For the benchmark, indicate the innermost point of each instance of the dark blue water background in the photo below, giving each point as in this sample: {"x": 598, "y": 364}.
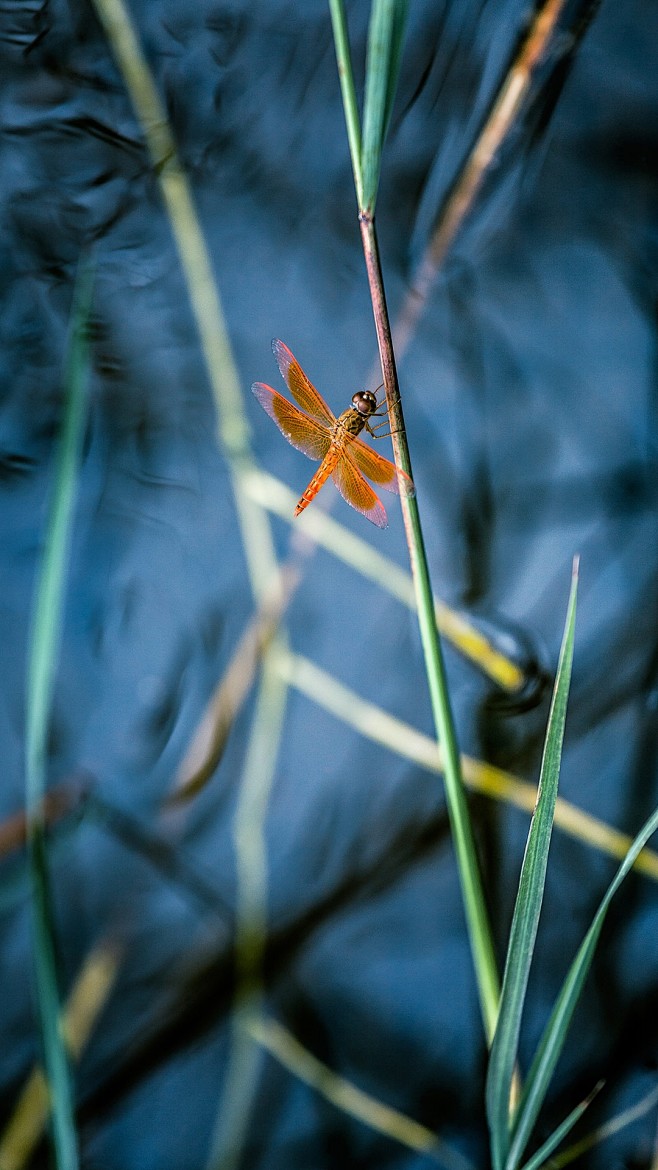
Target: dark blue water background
{"x": 530, "y": 404}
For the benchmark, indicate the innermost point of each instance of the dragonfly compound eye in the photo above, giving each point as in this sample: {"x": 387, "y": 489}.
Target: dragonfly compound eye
{"x": 364, "y": 402}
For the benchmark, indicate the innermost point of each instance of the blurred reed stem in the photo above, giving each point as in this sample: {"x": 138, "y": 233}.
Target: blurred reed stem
{"x": 209, "y": 741}
{"x": 249, "y": 836}
{"x": 253, "y": 520}
{"x": 500, "y": 120}
{"x": 87, "y": 999}
{"x": 43, "y": 653}
{"x": 276, "y": 1039}
{"x": 372, "y": 722}
{"x": 197, "y": 267}
{"x": 602, "y": 1132}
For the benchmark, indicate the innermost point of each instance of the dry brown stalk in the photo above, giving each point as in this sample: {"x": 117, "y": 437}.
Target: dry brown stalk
{"x": 497, "y": 126}
{"x": 209, "y": 740}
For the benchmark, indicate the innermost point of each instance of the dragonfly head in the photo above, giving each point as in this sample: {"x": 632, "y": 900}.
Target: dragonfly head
{"x": 364, "y": 402}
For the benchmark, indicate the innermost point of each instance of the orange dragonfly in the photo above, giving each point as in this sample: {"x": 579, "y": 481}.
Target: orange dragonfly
{"x": 334, "y": 441}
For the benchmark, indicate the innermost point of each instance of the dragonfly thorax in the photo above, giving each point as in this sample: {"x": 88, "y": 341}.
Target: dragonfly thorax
{"x": 364, "y": 402}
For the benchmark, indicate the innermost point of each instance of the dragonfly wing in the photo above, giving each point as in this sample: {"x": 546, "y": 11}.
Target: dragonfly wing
{"x": 302, "y": 432}
{"x": 302, "y": 390}
{"x": 354, "y": 489}
{"x": 380, "y": 470}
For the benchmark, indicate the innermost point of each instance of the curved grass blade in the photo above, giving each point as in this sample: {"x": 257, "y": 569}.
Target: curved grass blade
{"x": 552, "y": 1041}
{"x": 538, "y": 1159}
{"x": 528, "y": 906}
{"x": 602, "y": 1132}
{"x": 43, "y": 652}
{"x": 385, "y": 37}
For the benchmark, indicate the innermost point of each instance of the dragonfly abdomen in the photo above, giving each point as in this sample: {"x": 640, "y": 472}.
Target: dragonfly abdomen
{"x": 348, "y": 424}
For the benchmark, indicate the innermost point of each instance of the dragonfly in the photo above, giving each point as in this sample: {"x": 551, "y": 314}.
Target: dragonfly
{"x": 315, "y": 431}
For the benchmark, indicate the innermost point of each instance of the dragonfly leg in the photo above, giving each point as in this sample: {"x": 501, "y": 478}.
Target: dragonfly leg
{"x": 384, "y": 435}
{"x": 378, "y": 413}
{"x": 383, "y": 414}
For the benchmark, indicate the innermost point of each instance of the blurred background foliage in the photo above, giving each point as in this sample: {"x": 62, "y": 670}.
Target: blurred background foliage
{"x": 260, "y": 935}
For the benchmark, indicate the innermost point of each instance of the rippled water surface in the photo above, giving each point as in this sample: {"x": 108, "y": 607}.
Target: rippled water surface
{"x": 529, "y": 394}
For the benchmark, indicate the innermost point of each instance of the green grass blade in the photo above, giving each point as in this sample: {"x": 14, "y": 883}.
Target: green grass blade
{"x": 348, "y": 92}
{"x": 43, "y": 653}
{"x": 556, "y": 1029}
{"x": 397, "y": 41}
{"x": 539, "y": 1158}
{"x": 385, "y": 36}
{"x": 612, "y": 1126}
{"x": 528, "y": 906}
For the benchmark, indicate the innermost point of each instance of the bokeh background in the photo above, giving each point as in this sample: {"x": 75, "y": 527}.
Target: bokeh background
{"x": 529, "y": 389}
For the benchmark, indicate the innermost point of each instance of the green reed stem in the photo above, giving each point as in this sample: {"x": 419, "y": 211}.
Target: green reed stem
{"x": 472, "y": 892}
{"x": 43, "y": 653}
{"x": 384, "y": 51}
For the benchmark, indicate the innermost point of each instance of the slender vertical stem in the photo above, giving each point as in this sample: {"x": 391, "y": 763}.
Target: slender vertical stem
{"x": 251, "y": 922}
{"x": 472, "y": 892}
{"x": 45, "y": 637}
